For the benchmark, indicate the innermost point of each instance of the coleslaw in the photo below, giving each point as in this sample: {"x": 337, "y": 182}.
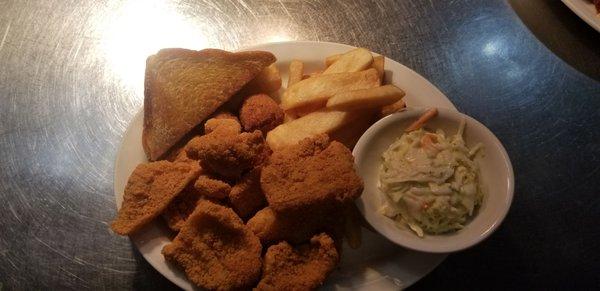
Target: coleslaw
{"x": 431, "y": 181}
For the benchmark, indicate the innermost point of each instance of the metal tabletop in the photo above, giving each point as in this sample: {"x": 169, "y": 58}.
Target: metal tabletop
{"x": 71, "y": 80}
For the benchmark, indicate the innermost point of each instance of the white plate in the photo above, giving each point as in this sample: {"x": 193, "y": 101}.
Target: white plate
{"x": 586, "y": 10}
{"x": 378, "y": 264}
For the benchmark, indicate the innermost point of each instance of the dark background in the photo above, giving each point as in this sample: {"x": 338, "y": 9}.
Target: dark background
{"x": 70, "y": 82}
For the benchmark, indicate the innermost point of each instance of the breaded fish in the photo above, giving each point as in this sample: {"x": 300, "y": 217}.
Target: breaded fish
{"x": 246, "y": 197}
{"x": 315, "y": 173}
{"x": 303, "y": 268}
{"x": 216, "y": 250}
{"x": 260, "y": 112}
{"x": 272, "y": 227}
{"x": 211, "y": 187}
{"x": 226, "y": 153}
{"x": 150, "y": 188}
{"x": 181, "y": 207}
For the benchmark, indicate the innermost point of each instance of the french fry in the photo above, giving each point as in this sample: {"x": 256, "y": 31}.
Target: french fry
{"x": 331, "y": 59}
{"x": 287, "y": 117}
{"x": 365, "y": 98}
{"x": 350, "y": 133}
{"x": 320, "y": 88}
{"x": 352, "y": 61}
{"x": 307, "y": 109}
{"x": 315, "y": 123}
{"x": 352, "y": 223}
{"x": 379, "y": 65}
{"x": 392, "y": 108}
{"x": 296, "y": 71}
{"x": 429, "y": 114}
{"x": 269, "y": 80}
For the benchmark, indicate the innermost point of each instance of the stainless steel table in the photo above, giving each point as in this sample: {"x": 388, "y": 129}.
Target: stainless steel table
{"x": 71, "y": 80}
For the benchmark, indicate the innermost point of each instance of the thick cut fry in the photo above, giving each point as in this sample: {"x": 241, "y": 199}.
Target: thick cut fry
{"x": 318, "y": 122}
{"x": 296, "y": 72}
{"x": 269, "y": 80}
{"x": 366, "y": 98}
{"x": 392, "y": 108}
{"x": 287, "y": 117}
{"x": 350, "y": 133}
{"x": 379, "y": 65}
{"x": 429, "y": 114}
{"x": 307, "y": 109}
{"x": 332, "y": 59}
{"x": 352, "y": 231}
{"x": 322, "y": 87}
{"x": 352, "y": 61}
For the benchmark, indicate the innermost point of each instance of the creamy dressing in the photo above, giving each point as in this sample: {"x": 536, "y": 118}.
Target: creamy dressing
{"x": 431, "y": 181}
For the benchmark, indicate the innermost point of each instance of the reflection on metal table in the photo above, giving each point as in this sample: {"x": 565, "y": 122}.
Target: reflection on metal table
{"x": 71, "y": 80}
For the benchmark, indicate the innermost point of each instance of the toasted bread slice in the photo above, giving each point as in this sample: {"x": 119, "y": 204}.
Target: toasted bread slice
{"x": 183, "y": 87}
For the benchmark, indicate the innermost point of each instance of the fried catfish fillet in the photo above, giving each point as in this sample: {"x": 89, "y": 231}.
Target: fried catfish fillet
{"x": 303, "y": 268}
{"x": 260, "y": 112}
{"x": 150, "y": 189}
{"x": 212, "y": 187}
{"x": 227, "y": 154}
{"x": 272, "y": 227}
{"x": 313, "y": 174}
{"x": 181, "y": 207}
{"x": 246, "y": 197}
{"x": 216, "y": 250}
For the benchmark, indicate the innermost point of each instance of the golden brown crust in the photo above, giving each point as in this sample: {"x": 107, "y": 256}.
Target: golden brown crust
{"x": 216, "y": 250}
{"x": 225, "y": 153}
{"x": 260, "y": 112}
{"x": 212, "y": 187}
{"x": 272, "y": 227}
{"x": 303, "y": 268}
{"x": 150, "y": 189}
{"x": 184, "y": 87}
{"x": 311, "y": 174}
{"x": 246, "y": 197}
{"x": 181, "y": 207}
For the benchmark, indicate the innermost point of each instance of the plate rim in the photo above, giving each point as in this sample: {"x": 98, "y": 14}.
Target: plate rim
{"x": 118, "y": 163}
{"x": 577, "y": 7}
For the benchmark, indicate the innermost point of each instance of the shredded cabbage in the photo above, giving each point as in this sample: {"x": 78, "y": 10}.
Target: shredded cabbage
{"x": 431, "y": 181}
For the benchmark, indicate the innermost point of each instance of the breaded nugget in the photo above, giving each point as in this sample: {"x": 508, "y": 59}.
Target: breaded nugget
{"x": 181, "y": 207}
{"x": 303, "y": 268}
{"x": 211, "y": 187}
{"x": 150, "y": 188}
{"x": 312, "y": 174}
{"x": 225, "y": 124}
{"x": 224, "y": 114}
{"x": 260, "y": 112}
{"x": 272, "y": 227}
{"x": 246, "y": 197}
{"x": 216, "y": 250}
{"x": 225, "y": 153}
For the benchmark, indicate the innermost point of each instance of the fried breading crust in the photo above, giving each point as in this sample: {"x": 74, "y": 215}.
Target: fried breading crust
{"x": 216, "y": 250}
{"x": 304, "y": 268}
{"x": 150, "y": 189}
{"x": 246, "y": 196}
{"x": 272, "y": 227}
{"x": 260, "y": 112}
{"x": 181, "y": 207}
{"x": 315, "y": 173}
{"x": 226, "y": 153}
{"x": 223, "y": 122}
{"x": 211, "y": 187}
